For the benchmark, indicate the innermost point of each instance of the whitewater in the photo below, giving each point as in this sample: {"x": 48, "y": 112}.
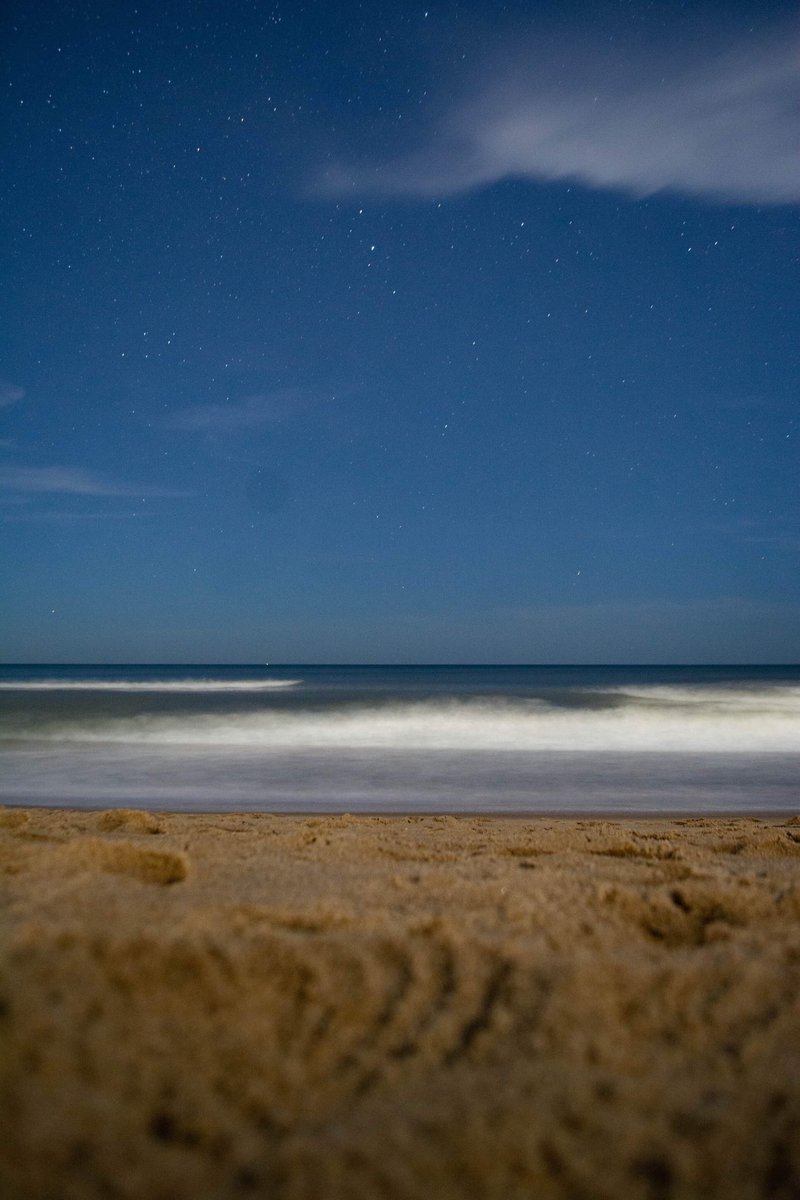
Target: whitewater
{"x": 471, "y": 739}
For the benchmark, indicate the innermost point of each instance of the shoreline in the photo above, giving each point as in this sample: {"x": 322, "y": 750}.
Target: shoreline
{"x": 513, "y": 814}
{"x": 399, "y": 1006}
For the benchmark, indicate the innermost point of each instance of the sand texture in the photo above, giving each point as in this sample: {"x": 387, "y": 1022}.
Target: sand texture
{"x": 353, "y": 1008}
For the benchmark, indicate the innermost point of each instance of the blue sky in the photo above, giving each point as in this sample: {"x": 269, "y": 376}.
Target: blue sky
{"x": 394, "y": 333}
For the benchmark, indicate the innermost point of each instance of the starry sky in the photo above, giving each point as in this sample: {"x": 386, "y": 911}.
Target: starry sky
{"x": 378, "y": 332}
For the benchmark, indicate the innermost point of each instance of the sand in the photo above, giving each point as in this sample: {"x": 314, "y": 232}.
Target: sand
{"x": 338, "y": 1008}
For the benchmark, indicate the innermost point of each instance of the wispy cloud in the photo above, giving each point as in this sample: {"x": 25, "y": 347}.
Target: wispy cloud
{"x": 72, "y": 481}
{"x": 10, "y": 393}
{"x": 253, "y": 412}
{"x": 721, "y": 122}
{"x": 57, "y": 517}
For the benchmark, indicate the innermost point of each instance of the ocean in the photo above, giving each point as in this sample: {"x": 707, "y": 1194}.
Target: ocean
{"x": 508, "y": 739}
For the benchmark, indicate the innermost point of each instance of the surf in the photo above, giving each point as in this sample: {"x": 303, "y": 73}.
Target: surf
{"x": 649, "y": 721}
{"x": 149, "y": 685}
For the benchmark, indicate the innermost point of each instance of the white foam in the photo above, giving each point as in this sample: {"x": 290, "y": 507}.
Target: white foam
{"x": 756, "y": 699}
{"x": 768, "y": 722}
{"x": 150, "y": 685}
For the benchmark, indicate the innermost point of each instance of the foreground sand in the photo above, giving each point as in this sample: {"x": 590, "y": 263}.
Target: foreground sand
{"x": 338, "y": 1008}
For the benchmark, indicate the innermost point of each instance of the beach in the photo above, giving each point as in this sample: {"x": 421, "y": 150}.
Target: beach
{"x": 398, "y": 1006}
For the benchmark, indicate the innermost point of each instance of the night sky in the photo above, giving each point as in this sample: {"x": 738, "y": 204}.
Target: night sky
{"x": 390, "y": 333}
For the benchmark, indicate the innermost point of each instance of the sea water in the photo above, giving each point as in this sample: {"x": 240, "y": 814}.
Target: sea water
{"x": 385, "y": 739}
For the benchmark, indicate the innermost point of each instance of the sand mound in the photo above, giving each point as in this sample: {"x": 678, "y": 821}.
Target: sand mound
{"x": 419, "y": 1007}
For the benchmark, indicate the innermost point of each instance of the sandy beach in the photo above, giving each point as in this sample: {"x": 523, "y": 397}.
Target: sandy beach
{"x": 348, "y": 1007}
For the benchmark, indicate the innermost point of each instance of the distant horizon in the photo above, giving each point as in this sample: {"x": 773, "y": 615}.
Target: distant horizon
{"x": 408, "y": 665}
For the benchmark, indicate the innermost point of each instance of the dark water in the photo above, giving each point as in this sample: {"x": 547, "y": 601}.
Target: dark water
{"x": 500, "y": 739}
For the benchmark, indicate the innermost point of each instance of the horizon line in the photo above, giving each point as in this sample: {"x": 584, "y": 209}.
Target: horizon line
{"x": 395, "y": 665}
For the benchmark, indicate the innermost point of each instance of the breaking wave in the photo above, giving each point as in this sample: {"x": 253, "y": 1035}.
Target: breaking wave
{"x": 636, "y": 720}
{"x": 146, "y": 685}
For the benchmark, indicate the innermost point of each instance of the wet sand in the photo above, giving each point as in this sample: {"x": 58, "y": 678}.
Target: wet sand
{"x": 338, "y": 1008}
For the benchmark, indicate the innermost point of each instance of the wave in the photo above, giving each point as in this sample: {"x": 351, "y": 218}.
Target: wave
{"x": 764, "y": 720}
{"x": 756, "y": 699}
{"x": 146, "y": 685}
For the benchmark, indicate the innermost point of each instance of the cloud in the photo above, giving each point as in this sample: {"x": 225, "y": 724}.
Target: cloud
{"x": 10, "y": 393}
{"x": 720, "y": 122}
{"x": 254, "y": 412}
{"x": 72, "y": 481}
{"x": 55, "y": 516}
